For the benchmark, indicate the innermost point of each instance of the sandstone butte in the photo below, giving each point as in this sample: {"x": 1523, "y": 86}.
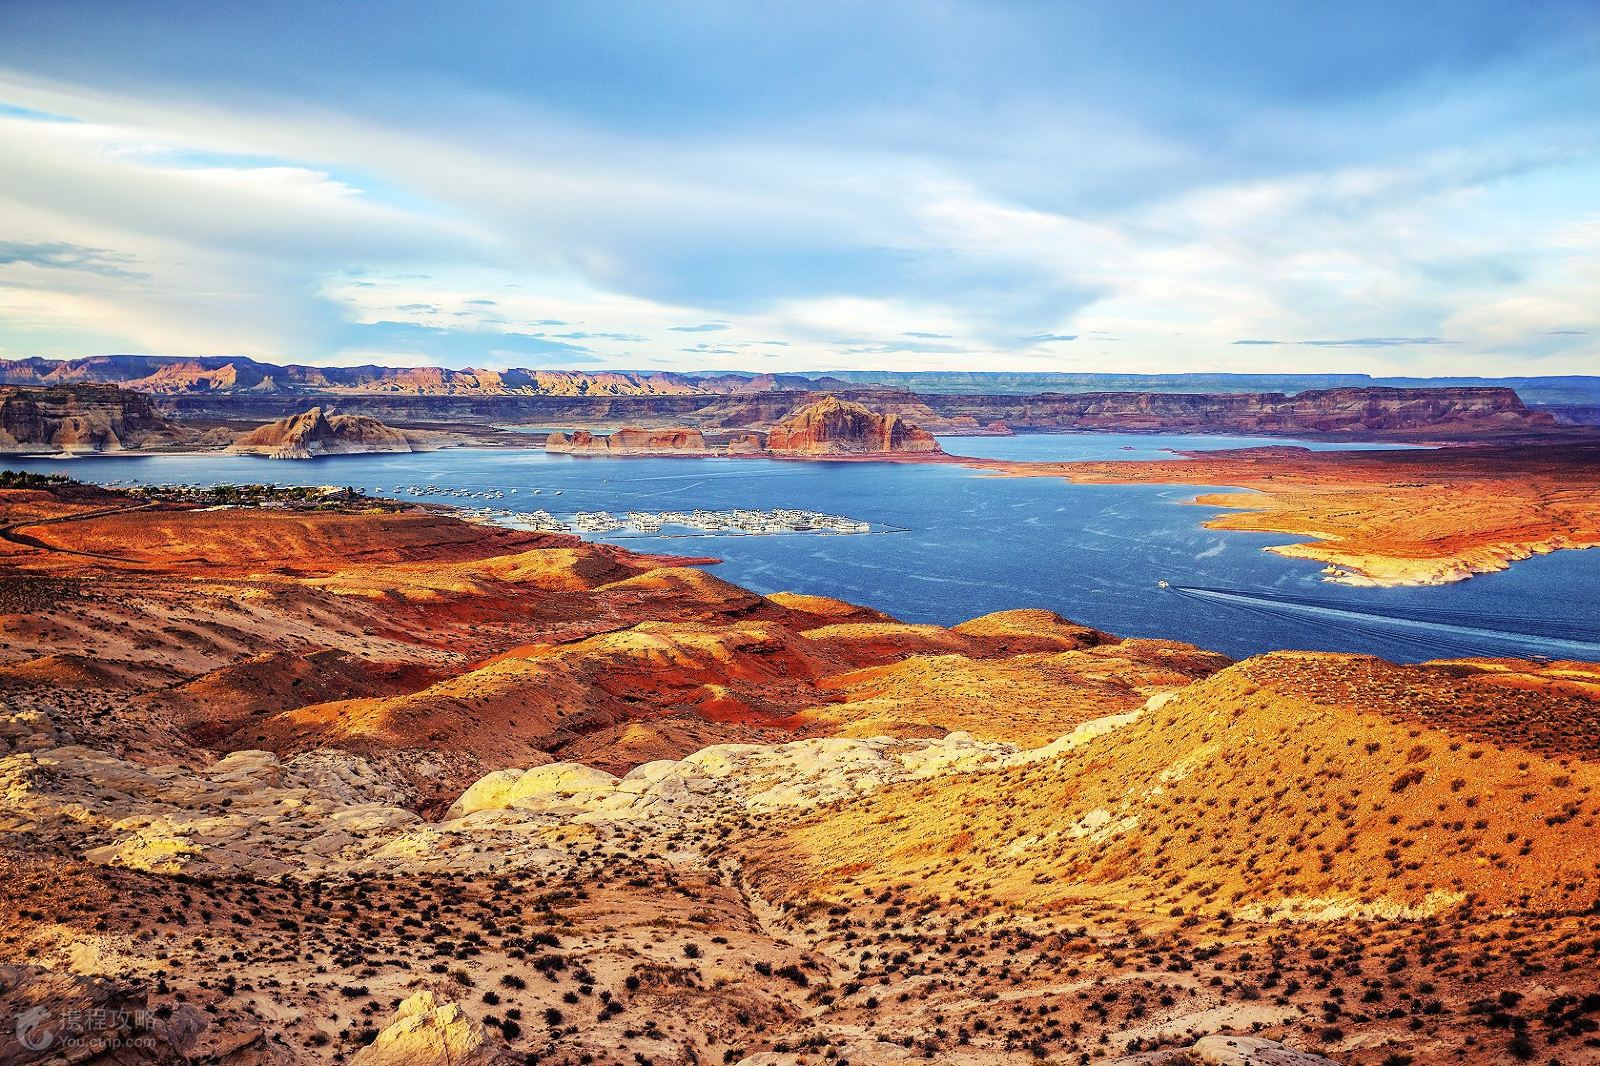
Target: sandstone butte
{"x": 282, "y": 786}
{"x": 832, "y": 426}
{"x": 826, "y": 428}
{"x": 320, "y": 432}
{"x": 1412, "y": 517}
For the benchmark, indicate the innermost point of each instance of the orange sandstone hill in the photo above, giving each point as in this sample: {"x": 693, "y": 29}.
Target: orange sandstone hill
{"x": 1292, "y": 786}
{"x": 490, "y": 648}
{"x": 1379, "y": 863}
{"x": 320, "y": 432}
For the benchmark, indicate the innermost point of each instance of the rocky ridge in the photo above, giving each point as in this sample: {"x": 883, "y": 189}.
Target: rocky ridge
{"x": 329, "y": 812}
{"x": 217, "y": 375}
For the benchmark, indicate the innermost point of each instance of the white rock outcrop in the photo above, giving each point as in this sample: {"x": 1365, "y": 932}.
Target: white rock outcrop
{"x": 329, "y": 812}
{"x": 426, "y": 1032}
{"x": 759, "y": 778}
{"x": 1227, "y": 1050}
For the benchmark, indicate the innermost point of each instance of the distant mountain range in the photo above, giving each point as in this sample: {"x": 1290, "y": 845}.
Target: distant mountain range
{"x": 235, "y": 375}
{"x": 79, "y": 414}
{"x": 169, "y": 375}
{"x": 1566, "y": 389}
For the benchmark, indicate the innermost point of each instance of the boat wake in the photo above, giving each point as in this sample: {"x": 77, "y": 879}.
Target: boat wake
{"x": 1439, "y": 630}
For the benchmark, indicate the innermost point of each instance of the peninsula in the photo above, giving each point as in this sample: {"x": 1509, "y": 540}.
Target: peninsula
{"x": 1424, "y": 516}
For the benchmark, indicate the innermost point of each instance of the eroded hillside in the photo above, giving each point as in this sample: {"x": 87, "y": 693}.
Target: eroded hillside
{"x": 352, "y": 783}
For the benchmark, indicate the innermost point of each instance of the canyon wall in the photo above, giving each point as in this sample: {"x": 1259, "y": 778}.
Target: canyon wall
{"x": 1377, "y": 413}
{"x": 164, "y": 375}
{"x": 232, "y": 388}
{"x": 90, "y": 418}
{"x": 238, "y": 375}
{"x": 1352, "y": 410}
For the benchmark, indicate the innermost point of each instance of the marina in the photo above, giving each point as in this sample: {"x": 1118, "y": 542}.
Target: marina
{"x": 699, "y": 522}
{"x": 456, "y": 493}
{"x": 738, "y": 522}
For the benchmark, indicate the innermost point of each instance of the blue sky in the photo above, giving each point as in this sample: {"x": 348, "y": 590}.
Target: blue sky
{"x": 1129, "y": 186}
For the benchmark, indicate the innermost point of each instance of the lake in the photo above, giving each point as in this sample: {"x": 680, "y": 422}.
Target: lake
{"x": 973, "y": 543}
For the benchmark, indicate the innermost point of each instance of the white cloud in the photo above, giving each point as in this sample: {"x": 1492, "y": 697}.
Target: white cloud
{"x": 270, "y": 232}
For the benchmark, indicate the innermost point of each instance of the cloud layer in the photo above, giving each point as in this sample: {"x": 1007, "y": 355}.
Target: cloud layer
{"x": 945, "y": 184}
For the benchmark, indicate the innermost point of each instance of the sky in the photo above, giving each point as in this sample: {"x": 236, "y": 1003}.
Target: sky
{"x": 1118, "y": 185}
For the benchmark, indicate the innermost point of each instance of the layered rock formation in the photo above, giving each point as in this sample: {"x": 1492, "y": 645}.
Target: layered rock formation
{"x": 319, "y": 432}
{"x": 1445, "y": 414}
{"x": 83, "y": 418}
{"x": 630, "y": 441}
{"x": 832, "y": 426}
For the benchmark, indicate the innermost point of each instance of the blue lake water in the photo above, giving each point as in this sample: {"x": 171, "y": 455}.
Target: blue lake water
{"x": 974, "y": 544}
